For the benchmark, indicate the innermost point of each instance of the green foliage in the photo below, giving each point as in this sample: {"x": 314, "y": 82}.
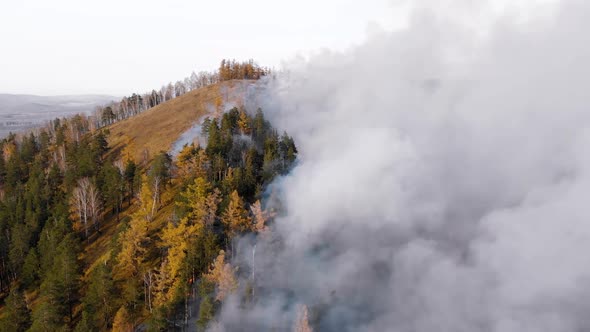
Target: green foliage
{"x": 160, "y": 167}
{"x": 206, "y": 312}
{"x": 85, "y": 324}
{"x": 214, "y": 188}
{"x": 61, "y": 285}
{"x": 130, "y": 175}
{"x": 112, "y": 187}
{"x": 18, "y": 315}
{"x": 31, "y": 268}
{"x": 98, "y": 302}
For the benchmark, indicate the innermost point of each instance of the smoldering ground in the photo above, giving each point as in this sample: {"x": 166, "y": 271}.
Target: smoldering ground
{"x": 442, "y": 181}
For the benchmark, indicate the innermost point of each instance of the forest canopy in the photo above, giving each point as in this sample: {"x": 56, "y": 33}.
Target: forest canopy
{"x": 93, "y": 240}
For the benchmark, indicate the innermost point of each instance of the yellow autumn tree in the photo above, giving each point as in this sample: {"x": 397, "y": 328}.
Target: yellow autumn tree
{"x": 176, "y": 239}
{"x": 195, "y": 197}
{"x": 244, "y": 123}
{"x": 222, "y": 274}
{"x": 235, "y": 217}
{"x": 121, "y": 321}
{"x": 147, "y": 201}
{"x": 260, "y": 217}
{"x": 201, "y": 202}
{"x": 192, "y": 161}
{"x": 134, "y": 240}
{"x": 185, "y": 160}
{"x": 133, "y": 247}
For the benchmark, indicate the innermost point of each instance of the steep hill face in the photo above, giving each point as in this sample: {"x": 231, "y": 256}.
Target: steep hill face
{"x": 158, "y": 128}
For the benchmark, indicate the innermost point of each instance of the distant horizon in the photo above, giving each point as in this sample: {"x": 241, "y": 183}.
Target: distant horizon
{"x": 57, "y": 96}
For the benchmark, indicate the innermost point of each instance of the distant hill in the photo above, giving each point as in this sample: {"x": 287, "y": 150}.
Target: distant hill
{"x": 18, "y": 112}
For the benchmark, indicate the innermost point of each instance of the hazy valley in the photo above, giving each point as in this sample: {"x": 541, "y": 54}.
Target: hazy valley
{"x": 19, "y": 112}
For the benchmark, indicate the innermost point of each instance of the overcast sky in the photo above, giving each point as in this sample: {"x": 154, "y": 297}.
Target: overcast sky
{"x": 118, "y": 47}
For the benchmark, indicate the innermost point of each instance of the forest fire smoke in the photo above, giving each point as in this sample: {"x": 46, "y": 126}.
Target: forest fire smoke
{"x": 441, "y": 186}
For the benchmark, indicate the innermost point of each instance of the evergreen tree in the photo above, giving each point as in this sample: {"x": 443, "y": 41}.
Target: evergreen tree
{"x": 98, "y": 302}
{"x": 18, "y": 315}
{"x": 206, "y": 312}
{"x": 61, "y": 285}
{"x": 129, "y": 175}
{"x": 31, "y": 268}
{"x": 85, "y": 324}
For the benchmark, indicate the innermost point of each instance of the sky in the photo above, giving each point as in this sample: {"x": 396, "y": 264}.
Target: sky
{"x": 118, "y": 47}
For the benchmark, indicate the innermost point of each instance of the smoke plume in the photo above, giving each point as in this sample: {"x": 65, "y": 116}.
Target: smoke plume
{"x": 442, "y": 181}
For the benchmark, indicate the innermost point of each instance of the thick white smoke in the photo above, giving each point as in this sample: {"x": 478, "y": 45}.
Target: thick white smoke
{"x": 443, "y": 182}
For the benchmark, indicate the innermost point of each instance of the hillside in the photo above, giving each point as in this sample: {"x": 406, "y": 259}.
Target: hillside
{"x": 171, "y": 119}
{"x": 106, "y": 236}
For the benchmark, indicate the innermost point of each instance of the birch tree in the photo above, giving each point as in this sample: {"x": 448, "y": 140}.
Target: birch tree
{"x": 86, "y": 205}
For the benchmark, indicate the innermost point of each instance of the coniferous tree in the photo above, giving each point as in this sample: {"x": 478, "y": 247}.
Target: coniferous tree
{"x": 31, "y": 268}
{"x": 18, "y": 315}
{"x": 98, "y": 302}
{"x": 129, "y": 175}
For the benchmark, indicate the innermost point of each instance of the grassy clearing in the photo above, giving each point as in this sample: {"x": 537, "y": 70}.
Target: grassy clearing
{"x": 158, "y": 128}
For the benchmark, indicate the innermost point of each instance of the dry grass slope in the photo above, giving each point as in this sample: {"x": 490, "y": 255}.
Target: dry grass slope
{"x": 159, "y": 127}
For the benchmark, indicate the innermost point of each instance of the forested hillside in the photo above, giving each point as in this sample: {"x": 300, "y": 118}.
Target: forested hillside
{"x": 93, "y": 239}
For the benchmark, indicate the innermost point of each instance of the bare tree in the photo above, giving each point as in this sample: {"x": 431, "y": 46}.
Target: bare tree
{"x": 85, "y": 203}
{"x": 79, "y": 203}
{"x": 95, "y": 206}
{"x": 148, "y": 282}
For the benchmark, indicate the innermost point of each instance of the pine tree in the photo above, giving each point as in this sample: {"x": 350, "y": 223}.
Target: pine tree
{"x": 85, "y": 324}
{"x": 61, "y": 285}
{"x": 18, "y": 315}
{"x": 129, "y": 176}
{"x": 206, "y": 312}
{"x": 31, "y": 268}
{"x": 98, "y": 302}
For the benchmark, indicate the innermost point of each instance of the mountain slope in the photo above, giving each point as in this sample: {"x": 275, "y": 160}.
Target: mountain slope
{"x": 172, "y": 118}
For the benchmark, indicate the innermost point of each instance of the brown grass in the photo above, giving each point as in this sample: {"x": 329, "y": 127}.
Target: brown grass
{"x": 159, "y": 127}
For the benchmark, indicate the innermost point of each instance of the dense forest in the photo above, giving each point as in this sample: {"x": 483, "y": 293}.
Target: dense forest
{"x": 175, "y": 224}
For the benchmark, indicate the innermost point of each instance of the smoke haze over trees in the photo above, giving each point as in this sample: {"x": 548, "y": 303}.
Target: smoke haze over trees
{"x": 432, "y": 178}
{"x": 442, "y": 180}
